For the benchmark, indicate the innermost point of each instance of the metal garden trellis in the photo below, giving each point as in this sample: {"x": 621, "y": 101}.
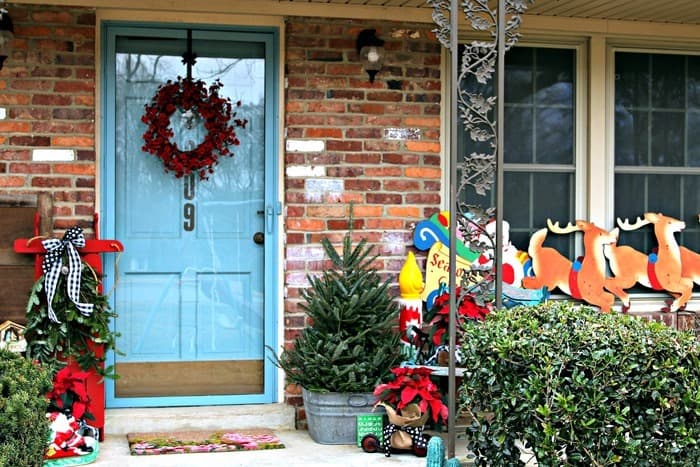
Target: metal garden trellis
{"x": 480, "y": 59}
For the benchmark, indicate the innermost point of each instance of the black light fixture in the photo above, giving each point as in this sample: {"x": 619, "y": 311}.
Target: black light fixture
{"x": 7, "y": 35}
{"x": 371, "y": 51}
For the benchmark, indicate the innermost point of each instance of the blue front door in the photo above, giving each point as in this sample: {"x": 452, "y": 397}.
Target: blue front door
{"x": 199, "y": 254}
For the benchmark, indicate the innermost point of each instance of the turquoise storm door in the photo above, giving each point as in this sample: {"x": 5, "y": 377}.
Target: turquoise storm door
{"x": 199, "y": 253}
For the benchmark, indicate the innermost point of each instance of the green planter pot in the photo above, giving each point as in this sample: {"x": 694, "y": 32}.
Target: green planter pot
{"x": 332, "y": 417}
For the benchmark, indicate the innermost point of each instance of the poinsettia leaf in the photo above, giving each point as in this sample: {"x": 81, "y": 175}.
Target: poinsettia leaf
{"x": 407, "y": 395}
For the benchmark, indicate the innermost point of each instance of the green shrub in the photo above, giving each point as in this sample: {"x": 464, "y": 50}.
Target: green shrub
{"x": 24, "y": 429}
{"x": 581, "y": 388}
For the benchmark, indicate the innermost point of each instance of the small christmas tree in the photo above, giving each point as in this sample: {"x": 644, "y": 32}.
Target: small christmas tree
{"x": 350, "y": 345}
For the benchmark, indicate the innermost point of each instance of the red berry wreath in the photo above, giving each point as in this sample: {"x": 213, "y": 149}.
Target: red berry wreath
{"x": 216, "y": 111}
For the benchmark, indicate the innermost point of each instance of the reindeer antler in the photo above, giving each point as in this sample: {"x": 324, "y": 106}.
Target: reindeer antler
{"x": 625, "y": 225}
{"x": 556, "y": 229}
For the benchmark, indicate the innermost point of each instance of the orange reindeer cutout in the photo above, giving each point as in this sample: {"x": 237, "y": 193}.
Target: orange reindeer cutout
{"x": 659, "y": 271}
{"x": 690, "y": 263}
{"x": 583, "y": 280}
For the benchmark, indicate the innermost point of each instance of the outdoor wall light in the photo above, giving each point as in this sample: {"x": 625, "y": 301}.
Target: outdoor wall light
{"x": 7, "y": 35}
{"x": 371, "y": 51}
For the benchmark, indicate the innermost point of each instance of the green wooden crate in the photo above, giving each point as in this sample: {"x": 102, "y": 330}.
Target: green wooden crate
{"x": 369, "y": 424}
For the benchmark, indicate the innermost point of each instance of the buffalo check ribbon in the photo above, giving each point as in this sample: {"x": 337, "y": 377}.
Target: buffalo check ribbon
{"x": 53, "y": 264}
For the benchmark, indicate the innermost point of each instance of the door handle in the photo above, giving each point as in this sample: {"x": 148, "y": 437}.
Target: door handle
{"x": 259, "y": 238}
{"x": 269, "y": 218}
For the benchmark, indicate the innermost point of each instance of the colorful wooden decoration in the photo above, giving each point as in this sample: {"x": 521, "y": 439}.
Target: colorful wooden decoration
{"x": 12, "y": 337}
{"x": 670, "y": 267}
{"x": 433, "y": 235}
{"x": 582, "y": 279}
{"x": 91, "y": 253}
{"x": 410, "y": 304}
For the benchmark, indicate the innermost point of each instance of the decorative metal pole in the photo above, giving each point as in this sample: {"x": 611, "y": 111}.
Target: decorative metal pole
{"x": 454, "y": 193}
{"x": 485, "y": 124}
{"x": 500, "y": 98}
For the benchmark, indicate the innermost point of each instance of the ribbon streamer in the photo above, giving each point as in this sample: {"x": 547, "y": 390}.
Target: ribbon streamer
{"x": 53, "y": 264}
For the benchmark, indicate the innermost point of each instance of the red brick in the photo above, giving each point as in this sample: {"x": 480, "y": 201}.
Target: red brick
{"x": 32, "y": 84}
{"x": 383, "y": 223}
{"x": 423, "y": 146}
{"x": 362, "y": 185}
{"x": 343, "y": 145}
{"x": 423, "y": 172}
{"x": 323, "y": 133}
{"x": 403, "y": 211}
{"x": 326, "y": 107}
{"x": 305, "y": 224}
{"x": 73, "y": 141}
{"x": 30, "y": 168}
{"x": 74, "y": 169}
{"x": 48, "y": 16}
{"x": 14, "y": 99}
{"x": 404, "y": 185}
{"x": 51, "y": 182}
{"x": 364, "y": 133}
{"x": 75, "y": 86}
{"x": 367, "y": 108}
{"x": 383, "y": 171}
{"x": 9, "y": 126}
{"x": 51, "y": 99}
{"x": 9, "y": 181}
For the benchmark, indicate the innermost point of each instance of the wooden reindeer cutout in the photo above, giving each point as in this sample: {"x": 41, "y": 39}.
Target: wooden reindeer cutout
{"x": 690, "y": 263}
{"x": 584, "y": 279}
{"x": 659, "y": 271}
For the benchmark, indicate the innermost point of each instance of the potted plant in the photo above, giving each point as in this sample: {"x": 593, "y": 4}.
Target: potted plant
{"x": 350, "y": 344}
{"x": 412, "y": 386}
{"x": 410, "y": 398}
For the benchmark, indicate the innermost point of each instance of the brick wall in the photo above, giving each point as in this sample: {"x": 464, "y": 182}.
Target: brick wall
{"x": 47, "y": 88}
{"x": 330, "y": 102}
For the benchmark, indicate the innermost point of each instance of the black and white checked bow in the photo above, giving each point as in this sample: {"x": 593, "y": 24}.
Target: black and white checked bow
{"x": 53, "y": 263}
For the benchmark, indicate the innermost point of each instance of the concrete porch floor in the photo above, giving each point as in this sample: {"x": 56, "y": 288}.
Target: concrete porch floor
{"x": 300, "y": 450}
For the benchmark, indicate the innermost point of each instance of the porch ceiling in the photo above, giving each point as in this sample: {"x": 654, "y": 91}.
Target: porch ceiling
{"x": 669, "y": 11}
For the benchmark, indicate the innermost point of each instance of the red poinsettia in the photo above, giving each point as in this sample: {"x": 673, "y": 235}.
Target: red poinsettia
{"x": 70, "y": 393}
{"x": 216, "y": 112}
{"x": 438, "y": 317}
{"x": 413, "y": 385}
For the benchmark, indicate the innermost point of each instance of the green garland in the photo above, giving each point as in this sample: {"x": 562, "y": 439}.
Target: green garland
{"x": 74, "y": 338}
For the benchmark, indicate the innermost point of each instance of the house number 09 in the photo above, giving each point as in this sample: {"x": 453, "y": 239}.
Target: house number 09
{"x": 188, "y": 209}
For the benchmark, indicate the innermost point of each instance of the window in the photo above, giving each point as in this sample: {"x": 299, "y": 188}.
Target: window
{"x": 657, "y": 142}
{"x": 539, "y": 146}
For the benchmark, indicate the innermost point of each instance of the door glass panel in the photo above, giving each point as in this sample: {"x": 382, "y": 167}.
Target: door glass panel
{"x": 190, "y": 291}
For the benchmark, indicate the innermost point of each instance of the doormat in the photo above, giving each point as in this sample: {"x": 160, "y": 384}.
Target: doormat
{"x": 181, "y": 442}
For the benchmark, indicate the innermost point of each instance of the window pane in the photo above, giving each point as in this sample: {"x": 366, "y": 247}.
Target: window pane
{"x": 693, "y": 85}
{"x": 518, "y": 130}
{"x": 519, "y": 75}
{"x": 554, "y": 133}
{"x": 631, "y": 80}
{"x": 554, "y": 79}
{"x": 532, "y": 198}
{"x": 667, "y": 81}
{"x": 631, "y": 137}
{"x": 667, "y": 143}
{"x": 693, "y": 139}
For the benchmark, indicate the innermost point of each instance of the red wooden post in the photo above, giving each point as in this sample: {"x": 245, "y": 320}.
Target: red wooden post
{"x": 91, "y": 254}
